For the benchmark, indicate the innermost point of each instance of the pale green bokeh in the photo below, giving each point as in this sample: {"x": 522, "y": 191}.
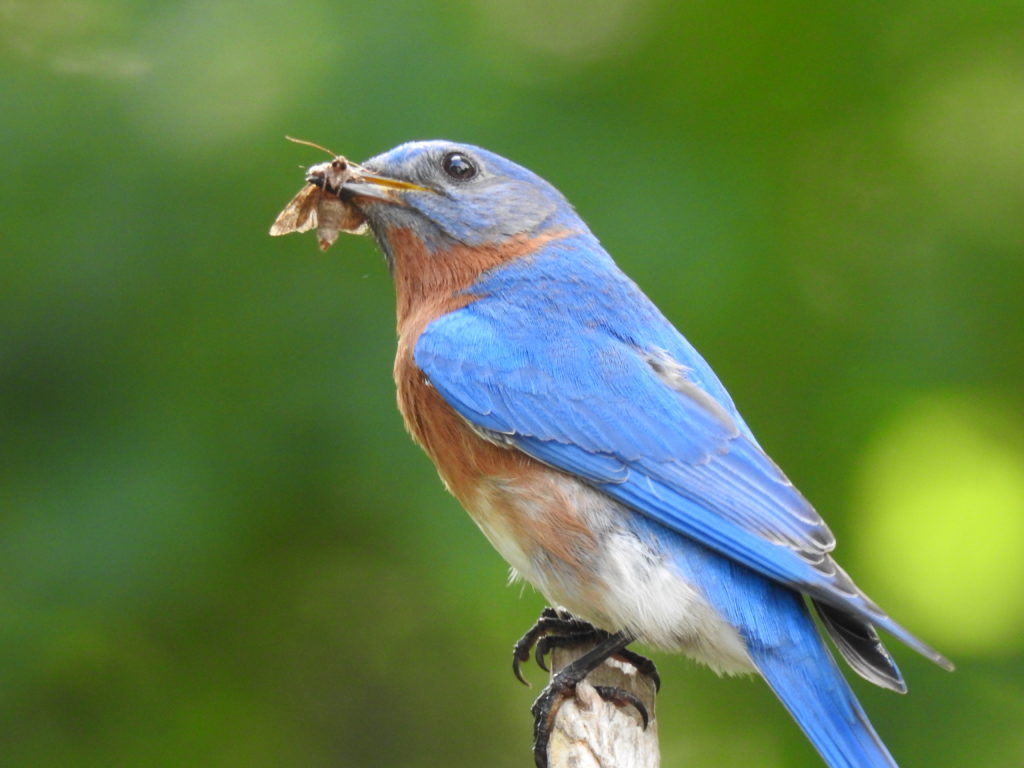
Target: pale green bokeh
{"x": 963, "y": 125}
{"x": 942, "y": 521}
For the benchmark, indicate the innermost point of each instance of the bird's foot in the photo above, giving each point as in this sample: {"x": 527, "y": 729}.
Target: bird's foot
{"x": 563, "y": 685}
{"x": 558, "y": 629}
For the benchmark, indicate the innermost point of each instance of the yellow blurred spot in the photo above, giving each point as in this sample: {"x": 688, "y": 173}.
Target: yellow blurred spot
{"x": 942, "y": 522}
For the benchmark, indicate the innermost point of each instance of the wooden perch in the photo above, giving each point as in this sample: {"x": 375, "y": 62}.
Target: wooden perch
{"x": 590, "y": 732}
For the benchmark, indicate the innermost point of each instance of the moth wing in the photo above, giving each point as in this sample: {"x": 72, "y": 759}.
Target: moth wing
{"x": 300, "y": 213}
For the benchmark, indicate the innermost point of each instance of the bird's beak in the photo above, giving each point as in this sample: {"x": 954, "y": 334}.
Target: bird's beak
{"x": 375, "y": 187}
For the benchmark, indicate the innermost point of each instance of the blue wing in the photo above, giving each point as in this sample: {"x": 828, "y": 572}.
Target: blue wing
{"x": 570, "y": 363}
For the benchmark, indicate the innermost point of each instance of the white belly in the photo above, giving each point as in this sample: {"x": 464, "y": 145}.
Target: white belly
{"x": 604, "y": 572}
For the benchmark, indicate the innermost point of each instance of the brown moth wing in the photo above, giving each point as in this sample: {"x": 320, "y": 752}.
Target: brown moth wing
{"x": 300, "y": 215}
{"x": 354, "y": 222}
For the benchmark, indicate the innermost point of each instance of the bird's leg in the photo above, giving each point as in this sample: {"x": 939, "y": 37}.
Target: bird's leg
{"x": 564, "y": 683}
{"x": 557, "y": 629}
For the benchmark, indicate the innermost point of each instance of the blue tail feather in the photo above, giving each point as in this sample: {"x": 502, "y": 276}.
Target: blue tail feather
{"x": 789, "y": 651}
{"x": 818, "y": 697}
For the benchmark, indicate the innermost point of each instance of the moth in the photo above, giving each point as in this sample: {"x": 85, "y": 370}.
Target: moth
{"x": 318, "y": 204}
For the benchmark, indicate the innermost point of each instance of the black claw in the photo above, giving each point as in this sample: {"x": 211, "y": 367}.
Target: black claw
{"x": 517, "y": 659}
{"x": 542, "y": 649}
{"x": 621, "y": 697}
{"x": 518, "y": 673}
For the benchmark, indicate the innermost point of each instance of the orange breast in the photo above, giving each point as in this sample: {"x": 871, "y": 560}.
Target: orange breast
{"x": 490, "y": 481}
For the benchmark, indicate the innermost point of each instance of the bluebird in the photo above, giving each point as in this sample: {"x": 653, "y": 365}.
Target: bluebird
{"x": 598, "y": 451}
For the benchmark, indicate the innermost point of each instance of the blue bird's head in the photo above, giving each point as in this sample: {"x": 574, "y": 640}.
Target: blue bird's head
{"x": 450, "y": 194}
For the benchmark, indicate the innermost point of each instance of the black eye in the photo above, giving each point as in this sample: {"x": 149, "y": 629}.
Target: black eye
{"x": 458, "y": 166}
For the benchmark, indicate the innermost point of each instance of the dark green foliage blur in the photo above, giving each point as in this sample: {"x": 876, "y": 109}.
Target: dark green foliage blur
{"x": 217, "y": 545}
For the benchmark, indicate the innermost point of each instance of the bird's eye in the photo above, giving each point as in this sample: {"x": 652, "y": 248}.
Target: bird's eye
{"x": 458, "y": 166}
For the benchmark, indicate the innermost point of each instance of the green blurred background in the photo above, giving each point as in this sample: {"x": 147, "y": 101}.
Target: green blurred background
{"x": 217, "y": 545}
